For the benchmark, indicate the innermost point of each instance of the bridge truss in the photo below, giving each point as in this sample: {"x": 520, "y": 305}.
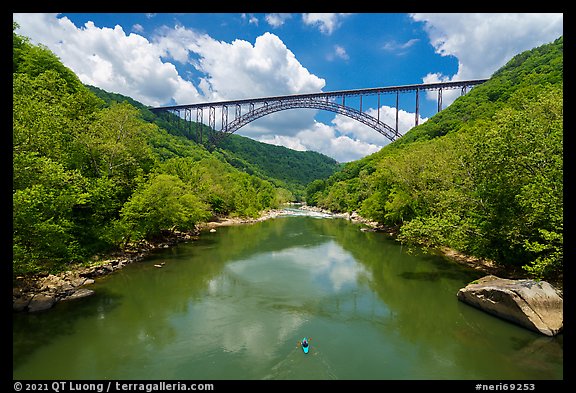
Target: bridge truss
{"x": 235, "y": 114}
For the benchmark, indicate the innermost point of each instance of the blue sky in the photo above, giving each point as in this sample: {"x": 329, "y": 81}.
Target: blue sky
{"x": 184, "y": 58}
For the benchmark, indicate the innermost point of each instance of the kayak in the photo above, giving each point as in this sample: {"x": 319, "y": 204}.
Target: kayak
{"x": 307, "y": 347}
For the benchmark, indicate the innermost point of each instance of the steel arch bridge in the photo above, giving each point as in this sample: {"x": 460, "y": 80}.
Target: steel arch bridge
{"x": 248, "y": 110}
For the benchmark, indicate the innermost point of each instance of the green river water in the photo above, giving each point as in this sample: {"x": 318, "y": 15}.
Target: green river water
{"x": 235, "y": 303}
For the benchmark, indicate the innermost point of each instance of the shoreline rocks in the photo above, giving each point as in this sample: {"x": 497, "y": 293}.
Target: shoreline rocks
{"x": 229, "y": 221}
{"x": 42, "y": 292}
{"x": 535, "y": 305}
{"x": 373, "y": 226}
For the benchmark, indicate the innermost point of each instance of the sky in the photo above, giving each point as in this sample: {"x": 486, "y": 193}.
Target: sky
{"x": 184, "y": 58}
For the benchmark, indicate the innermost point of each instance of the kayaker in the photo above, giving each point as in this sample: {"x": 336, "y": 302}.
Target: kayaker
{"x": 304, "y": 343}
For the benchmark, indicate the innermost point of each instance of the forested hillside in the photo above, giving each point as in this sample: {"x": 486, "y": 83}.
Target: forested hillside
{"x": 285, "y": 168}
{"x": 294, "y": 168}
{"x": 484, "y": 176}
{"x": 91, "y": 176}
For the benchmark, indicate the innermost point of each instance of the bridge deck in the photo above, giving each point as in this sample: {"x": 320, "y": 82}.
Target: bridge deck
{"x": 330, "y": 94}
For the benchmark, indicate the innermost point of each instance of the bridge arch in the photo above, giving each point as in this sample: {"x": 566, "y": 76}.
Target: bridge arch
{"x": 259, "y": 107}
{"x": 276, "y": 106}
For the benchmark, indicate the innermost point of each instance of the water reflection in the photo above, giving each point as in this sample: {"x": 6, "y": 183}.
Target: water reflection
{"x": 234, "y": 304}
{"x": 312, "y": 279}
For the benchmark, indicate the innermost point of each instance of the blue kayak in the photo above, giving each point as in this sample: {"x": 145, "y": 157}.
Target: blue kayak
{"x": 305, "y": 345}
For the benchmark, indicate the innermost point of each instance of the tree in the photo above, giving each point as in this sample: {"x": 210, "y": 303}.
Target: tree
{"x": 313, "y": 191}
{"x": 164, "y": 202}
{"x": 518, "y": 170}
{"x": 115, "y": 144}
{"x": 43, "y": 225}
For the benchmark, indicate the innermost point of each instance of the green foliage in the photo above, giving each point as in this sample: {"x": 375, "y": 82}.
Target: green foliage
{"x": 38, "y": 114}
{"x": 226, "y": 190}
{"x": 166, "y": 146}
{"x": 93, "y": 171}
{"x": 164, "y": 202}
{"x": 519, "y": 177}
{"x": 115, "y": 144}
{"x": 294, "y": 169}
{"x": 42, "y": 215}
{"x": 314, "y": 190}
{"x": 484, "y": 176}
{"x": 548, "y": 248}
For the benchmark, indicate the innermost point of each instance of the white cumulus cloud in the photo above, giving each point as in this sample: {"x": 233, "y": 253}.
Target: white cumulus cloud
{"x": 109, "y": 58}
{"x": 484, "y": 42}
{"x": 240, "y": 69}
{"x": 326, "y": 22}
{"x": 179, "y": 64}
{"x": 326, "y": 139}
{"x": 277, "y": 20}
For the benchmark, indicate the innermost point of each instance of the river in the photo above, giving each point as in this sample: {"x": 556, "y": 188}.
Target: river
{"x": 235, "y": 303}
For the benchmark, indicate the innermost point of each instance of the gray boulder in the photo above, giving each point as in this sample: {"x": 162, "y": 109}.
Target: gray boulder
{"x": 21, "y": 303}
{"x": 41, "y": 302}
{"x": 79, "y": 293}
{"x": 536, "y": 305}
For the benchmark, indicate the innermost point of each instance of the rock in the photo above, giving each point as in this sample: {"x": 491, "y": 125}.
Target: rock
{"x": 536, "y": 305}
{"x": 20, "y": 304}
{"x": 41, "y": 302}
{"x": 80, "y": 293}
{"x": 78, "y": 281}
{"x": 51, "y": 283}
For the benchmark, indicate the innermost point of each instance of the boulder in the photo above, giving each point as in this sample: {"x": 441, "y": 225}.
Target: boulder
{"x": 21, "y": 303}
{"x": 41, "y": 302}
{"x": 79, "y": 293}
{"x": 536, "y": 305}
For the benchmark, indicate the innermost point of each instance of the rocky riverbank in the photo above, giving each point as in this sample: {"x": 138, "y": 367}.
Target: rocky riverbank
{"x": 228, "y": 221}
{"x": 536, "y": 305}
{"x": 43, "y": 291}
{"x": 483, "y": 265}
{"x": 355, "y": 217}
